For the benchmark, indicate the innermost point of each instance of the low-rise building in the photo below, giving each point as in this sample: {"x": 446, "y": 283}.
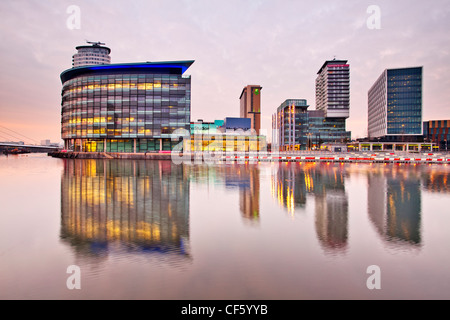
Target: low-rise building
{"x": 294, "y": 127}
{"x": 438, "y": 132}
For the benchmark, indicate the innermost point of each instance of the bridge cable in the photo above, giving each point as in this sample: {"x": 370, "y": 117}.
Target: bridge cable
{"x": 3, "y": 137}
{"x": 20, "y": 134}
{"x": 11, "y": 136}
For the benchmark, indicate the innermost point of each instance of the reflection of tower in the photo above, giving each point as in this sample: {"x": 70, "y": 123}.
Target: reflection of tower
{"x": 249, "y": 195}
{"x": 289, "y": 186}
{"x": 331, "y": 220}
{"x": 331, "y": 217}
{"x": 142, "y": 206}
{"x": 292, "y": 182}
{"x": 394, "y": 203}
{"x": 376, "y": 201}
{"x": 246, "y": 179}
{"x": 436, "y": 181}
{"x": 243, "y": 177}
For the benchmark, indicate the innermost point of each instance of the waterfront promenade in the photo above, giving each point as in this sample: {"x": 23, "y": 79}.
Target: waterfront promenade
{"x": 294, "y": 156}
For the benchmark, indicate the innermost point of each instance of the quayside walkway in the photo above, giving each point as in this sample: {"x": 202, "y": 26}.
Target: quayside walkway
{"x": 382, "y": 157}
{"x": 300, "y": 156}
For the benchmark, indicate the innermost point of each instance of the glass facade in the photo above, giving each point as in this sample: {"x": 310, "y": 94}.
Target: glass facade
{"x": 324, "y": 130}
{"x": 125, "y": 107}
{"x": 404, "y": 101}
{"x": 201, "y": 127}
{"x": 296, "y": 128}
{"x": 291, "y": 120}
{"x": 437, "y": 131}
{"x": 395, "y": 104}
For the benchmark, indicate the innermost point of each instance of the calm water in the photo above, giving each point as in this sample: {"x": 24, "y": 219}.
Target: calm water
{"x": 155, "y": 230}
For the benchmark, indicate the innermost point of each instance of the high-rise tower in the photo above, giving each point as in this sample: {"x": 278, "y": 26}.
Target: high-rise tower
{"x": 250, "y": 100}
{"x": 333, "y": 89}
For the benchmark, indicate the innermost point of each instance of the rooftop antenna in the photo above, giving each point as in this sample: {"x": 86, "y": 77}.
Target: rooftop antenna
{"x": 98, "y": 43}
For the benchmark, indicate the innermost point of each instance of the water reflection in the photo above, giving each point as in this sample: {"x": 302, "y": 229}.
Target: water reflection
{"x": 292, "y": 182}
{"x": 394, "y": 203}
{"x": 436, "y": 180}
{"x": 127, "y": 224}
{"x": 234, "y": 176}
{"x": 247, "y": 180}
{"x": 143, "y": 206}
{"x": 131, "y": 206}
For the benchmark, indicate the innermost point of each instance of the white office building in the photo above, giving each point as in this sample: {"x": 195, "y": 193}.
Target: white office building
{"x": 91, "y": 55}
{"x": 333, "y": 89}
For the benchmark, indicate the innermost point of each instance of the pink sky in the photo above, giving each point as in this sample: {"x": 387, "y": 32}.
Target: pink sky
{"x": 279, "y": 45}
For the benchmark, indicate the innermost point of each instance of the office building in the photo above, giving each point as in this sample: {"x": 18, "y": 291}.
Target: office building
{"x": 236, "y": 125}
{"x": 395, "y": 105}
{"x": 294, "y": 127}
{"x": 128, "y": 107}
{"x": 289, "y": 124}
{"x": 324, "y": 130}
{"x": 250, "y": 106}
{"x": 91, "y": 55}
{"x": 204, "y": 127}
{"x": 333, "y": 89}
{"x": 437, "y": 132}
{"x": 228, "y": 135}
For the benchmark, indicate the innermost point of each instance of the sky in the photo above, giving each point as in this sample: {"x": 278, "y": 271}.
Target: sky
{"x": 279, "y": 45}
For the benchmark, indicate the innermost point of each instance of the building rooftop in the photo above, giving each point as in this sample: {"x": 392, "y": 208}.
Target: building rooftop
{"x": 405, "y": 68}
{"x": 93, "y": 47}
{"x": 251, "y": 86}
{"x": 170, "y": 67}
{"x": 334, "y": 61}
{"x": 296, "y": 102}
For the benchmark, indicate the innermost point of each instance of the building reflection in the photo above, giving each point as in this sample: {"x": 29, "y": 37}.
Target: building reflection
{"x": 332, "y": 220}
{"x": 394, "y": 203}
{"x": 234, "y": 176}
{"x": 293, "y": 182}
{"x": 249, "y": 185}
{"x": 133, "y": 206}
{"x": 289, "y": 186}
{"x": 436, "y": 179}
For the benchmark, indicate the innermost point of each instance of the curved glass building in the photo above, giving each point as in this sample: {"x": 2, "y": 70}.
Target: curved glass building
{"x": 131, "y": 107}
